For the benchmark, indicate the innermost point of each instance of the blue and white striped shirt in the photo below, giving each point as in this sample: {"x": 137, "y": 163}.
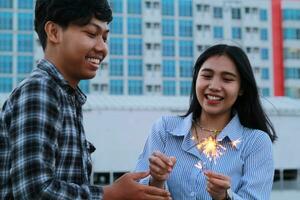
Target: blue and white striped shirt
{"x": 249, "y": 164}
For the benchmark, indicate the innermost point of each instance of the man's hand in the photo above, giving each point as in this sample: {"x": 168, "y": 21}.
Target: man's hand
{"x": 127, "y": 188}
{"x": 217, "y": 185}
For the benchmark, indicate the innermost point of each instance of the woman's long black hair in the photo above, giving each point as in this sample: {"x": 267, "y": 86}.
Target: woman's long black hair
{"x": 248, "y": 105}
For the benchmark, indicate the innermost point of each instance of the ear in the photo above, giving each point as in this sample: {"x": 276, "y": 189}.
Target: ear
{"x": 53, "y": 32}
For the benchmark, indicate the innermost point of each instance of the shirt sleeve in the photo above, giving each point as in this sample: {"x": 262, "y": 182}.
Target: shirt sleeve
{"x": 257, "y": 181}
{"x": 34, "y": 126}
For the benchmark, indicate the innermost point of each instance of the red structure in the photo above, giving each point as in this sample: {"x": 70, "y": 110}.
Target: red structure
{"x": 277, "y": 48}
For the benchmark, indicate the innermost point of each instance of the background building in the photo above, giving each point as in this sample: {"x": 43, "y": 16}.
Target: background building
{"x": 154, "y": 44}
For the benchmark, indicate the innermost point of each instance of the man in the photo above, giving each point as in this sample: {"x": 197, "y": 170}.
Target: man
{"x": 43, "y": 150}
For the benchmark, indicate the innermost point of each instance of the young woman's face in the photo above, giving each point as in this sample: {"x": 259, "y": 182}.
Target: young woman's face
{"x": 218, "y": 85}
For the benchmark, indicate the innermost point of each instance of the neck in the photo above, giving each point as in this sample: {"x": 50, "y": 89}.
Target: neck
{"x": 213, "y": 122}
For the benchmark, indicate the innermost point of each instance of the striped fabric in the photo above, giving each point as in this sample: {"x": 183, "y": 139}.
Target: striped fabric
{"x": 43, "y": 150}
{"x": 249, "y": 164}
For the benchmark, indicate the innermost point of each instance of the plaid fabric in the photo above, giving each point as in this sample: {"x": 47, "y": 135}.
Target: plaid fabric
{"x": 43, "y": 150}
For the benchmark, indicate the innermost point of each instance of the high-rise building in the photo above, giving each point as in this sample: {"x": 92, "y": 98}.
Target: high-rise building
{"x": 153, "y": 44}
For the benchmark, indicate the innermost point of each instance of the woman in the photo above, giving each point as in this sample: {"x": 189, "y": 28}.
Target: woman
{"x": 224, "y": 108}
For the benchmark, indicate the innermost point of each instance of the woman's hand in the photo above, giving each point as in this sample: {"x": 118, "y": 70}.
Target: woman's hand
{"x": 217, "y": 185}
{"x": 160, "y": 168}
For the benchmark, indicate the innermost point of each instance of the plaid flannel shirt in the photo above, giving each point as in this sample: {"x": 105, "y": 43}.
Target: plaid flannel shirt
{"x": 43, "y": 150}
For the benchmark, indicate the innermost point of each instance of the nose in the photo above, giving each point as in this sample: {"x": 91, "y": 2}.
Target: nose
{"x": 101, "y": 47}
{"x": 214, "y": 85}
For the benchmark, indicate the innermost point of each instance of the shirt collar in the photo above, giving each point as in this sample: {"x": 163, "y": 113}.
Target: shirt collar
{"x": 50, "y": 68}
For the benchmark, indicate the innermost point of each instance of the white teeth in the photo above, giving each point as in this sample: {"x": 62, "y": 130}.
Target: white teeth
{"x": 213, "y": 97}
{"x": 94, "y": 60}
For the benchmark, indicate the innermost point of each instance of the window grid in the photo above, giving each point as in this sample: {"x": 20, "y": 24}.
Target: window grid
{"x": 169, "y": 88}
{"x": 116, "y": 67}
{"x": 6, "y": 20}
{"x": 116, "y": 87}
{"x": 135, "y": 87}
{"x": 135, "y": 67}
{"x": 6, "y": 64}
{"x": 168, "y": 69}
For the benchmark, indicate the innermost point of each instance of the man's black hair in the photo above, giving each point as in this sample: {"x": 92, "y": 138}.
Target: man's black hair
{"x": 66, "y": 12}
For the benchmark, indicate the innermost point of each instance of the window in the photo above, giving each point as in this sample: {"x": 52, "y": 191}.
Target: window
{"x": 263, "y": 15}
{"x": 25, "y": 4}
{"x": 292, "y": 73}
{"x": 264, "y": 54}
{"x": 6, "y": 21}
{"x": 25, "y": 42}
{"x": 291, "y": 33}
{"x": 116, "y": 46}
{"x": 168, "y": 27}
{"x": 116, "y": 67}
{"x": 186, "y": 48}
{"x": 25, "y": 21}
{"x": 186, "y": 68}
{"x": 134, "y": 6}
{"x": 135, "y": 87}
{"x": 6, "y": 3}
{"x": 25, "y": 64}
{"x": 5, "y": 42}
{"x": 168, "y": 48}
{"x": 185, "y": 8}
{"x": 236, "y": 33}
{"x": 265, "y": 73}
{"x": 84, "y": 85}
{"x": 116, "y": 6}
{"x": 167, "y": 7}
{"x": 6, "y": 64}
{"x": 218, "y": 32}
{"x": 135, "y": 67}
{"x": 265, "y": 92}
{"x": 236, "y": 13}
{"x": 169, "y": 88}
{"x": 116, "y": 87}
{"x": 218, "y": 12}
{"x": 116, "y": 26}
{"x": 185, "y": 88}
{"x": 135, "y": 46}
{"x": 134, "y": 26}
{"x": 264, "y": 34}
{"x": 6, "y": 84}
{"x": 185, "y": 28}
{"x": 291, "y": 14}
{"x": 168, "y": 69}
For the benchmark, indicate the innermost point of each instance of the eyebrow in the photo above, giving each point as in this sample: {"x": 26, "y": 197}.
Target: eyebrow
{"x": 223, "y": 72}
{"x": 99, "y": 28}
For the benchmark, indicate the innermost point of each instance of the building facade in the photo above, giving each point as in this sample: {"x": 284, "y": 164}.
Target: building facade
{"x": 154, "y": 44}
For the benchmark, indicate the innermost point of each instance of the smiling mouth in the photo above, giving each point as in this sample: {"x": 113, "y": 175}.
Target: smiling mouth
{"x": 213, "y": 98}
{"x": 95, "y": 61}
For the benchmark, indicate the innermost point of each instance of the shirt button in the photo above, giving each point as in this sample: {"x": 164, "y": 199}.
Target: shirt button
{"x": 192, "y": 194}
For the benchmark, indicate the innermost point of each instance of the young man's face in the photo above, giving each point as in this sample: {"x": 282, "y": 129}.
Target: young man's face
{"x": 81, "y": 50}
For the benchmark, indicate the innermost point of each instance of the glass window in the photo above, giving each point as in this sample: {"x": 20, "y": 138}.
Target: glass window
{"x": 236, "y": 13}
{"x": 116, "y": 46}
{"x": 116, "y": 67}
{"x": 264, "y": 34}
{"x": 116, "y": 26}
{"x": 116, "y": 87}
{"x": 6, "y": 64}
{"x": 25, "y": 4}
{"x": 185, "y": 8}
{"x": 134, "y": 6}
{"x": 169, "y": 88}
{"x": 264, "y": 54}
{"x": 291, "y": 33}
{"x": 263, "y": 15}
{"x": 168, "y": 27}
{"x": 5, "y": 42}
{"x": 25, "y": 21}
{"x": 135, "y": 67}
{"x": 25, "y": 64}
{"x": 185, "y": 28}
{"x": 6, "y": 20}
{"x": 84, "y": 86}
{"x": 134, "y": 26}
{"x": 218, "y": 32}
{"x": 135, "y": 87}
{"x": 186, "y": 48}
{"x": 186, "y": 68}
{"x": 291, "y": 14}
{"x": 168, "y": 7}
{"x": 135, "y": 47}
{"x": 168, "y": 69}
{"x": 236, "y": 33}
{"x": 218, "y": 12}
{"x": 265, "y": 73}
{"x": 6, "y": 3}
{"x": 116, "y": 6}
{"x": 265, "y": 92}
{"x": 25, "y": 42}
{"x": 185, "y": 88}
{"x": 6, "y": 84}
{"x": 168, "y": 48}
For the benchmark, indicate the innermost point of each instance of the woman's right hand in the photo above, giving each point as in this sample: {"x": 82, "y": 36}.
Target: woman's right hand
{"x": 160, "y": 168}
